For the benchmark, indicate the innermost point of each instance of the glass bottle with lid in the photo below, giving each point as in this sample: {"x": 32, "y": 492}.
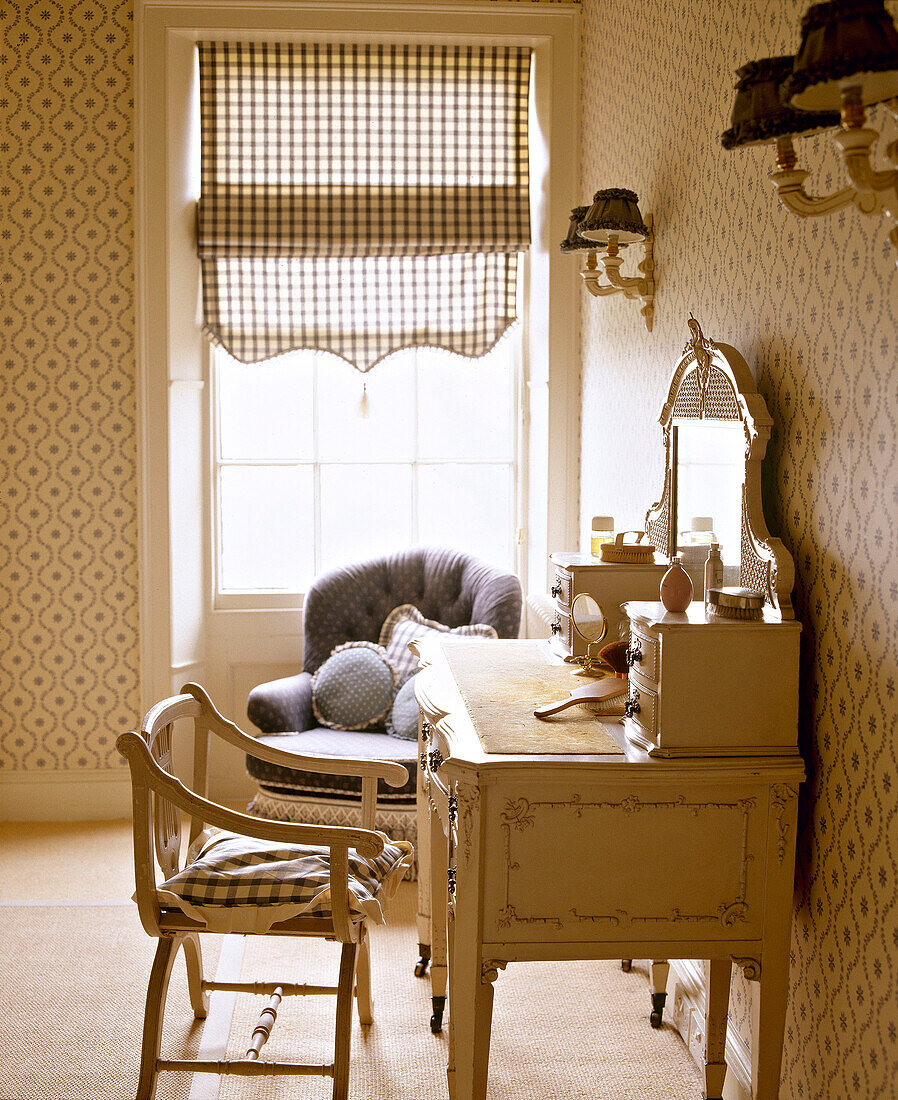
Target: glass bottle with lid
{"x": 602, "y": 531}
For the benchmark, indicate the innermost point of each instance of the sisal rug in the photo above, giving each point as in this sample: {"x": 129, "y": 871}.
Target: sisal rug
{"x": 73, "y": 984}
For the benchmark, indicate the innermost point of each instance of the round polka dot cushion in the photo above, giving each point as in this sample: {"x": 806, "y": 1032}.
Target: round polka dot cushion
{"x": 354, "y": 688}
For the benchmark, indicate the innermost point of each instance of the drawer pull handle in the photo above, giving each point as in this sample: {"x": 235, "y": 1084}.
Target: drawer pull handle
{"x": 453, "y": 808}
{"x": 426, "y": 727}
{"x": 631, "y": 706}
{"x": 450, "y": 876}
{"x": 557, "y": 590}
{"x": 434, "y": 759}
{"x": 634, "y": 655}
{"x": 556, "y": 626}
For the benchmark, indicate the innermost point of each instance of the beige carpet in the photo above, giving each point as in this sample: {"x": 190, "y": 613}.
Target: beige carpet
{"x": 73, "y": 981}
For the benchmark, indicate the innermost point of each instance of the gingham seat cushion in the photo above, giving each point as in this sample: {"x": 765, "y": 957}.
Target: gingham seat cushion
{"x": 235, "y": 882}
{"x": 404, "y": 624}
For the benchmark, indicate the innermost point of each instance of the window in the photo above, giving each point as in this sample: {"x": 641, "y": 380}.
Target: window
{"x": 368, "y": 200}
{"x": 433, "y": 461}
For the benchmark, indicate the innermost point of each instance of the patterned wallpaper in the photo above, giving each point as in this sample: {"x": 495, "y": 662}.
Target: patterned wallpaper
{"x": 69, "y": 667}
{"x": 68, "y": 491}
{"x": 810, "y": 305}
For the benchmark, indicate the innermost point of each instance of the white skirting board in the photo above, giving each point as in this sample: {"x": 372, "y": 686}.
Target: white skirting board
{"x": 65, "y": 796}
{"x": 686, "y": 1010}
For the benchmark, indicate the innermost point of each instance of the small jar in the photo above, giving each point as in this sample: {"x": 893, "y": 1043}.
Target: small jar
{"x": 700, "y": 533}
{"x": 602, "y": 531}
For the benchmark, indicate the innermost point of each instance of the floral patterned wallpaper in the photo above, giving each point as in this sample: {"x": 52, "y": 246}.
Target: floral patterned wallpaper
{"x": 811, "y": 305}
{"x": 68, "y": 489}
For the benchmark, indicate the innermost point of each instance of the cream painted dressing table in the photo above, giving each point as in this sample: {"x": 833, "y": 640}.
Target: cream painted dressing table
{"x": 669, "y": 833}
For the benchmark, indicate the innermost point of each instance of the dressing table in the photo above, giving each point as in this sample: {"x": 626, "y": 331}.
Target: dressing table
{"x": 669, "y": 836}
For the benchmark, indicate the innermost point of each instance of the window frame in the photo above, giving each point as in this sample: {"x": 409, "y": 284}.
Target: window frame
{"x": 172, "y": 359}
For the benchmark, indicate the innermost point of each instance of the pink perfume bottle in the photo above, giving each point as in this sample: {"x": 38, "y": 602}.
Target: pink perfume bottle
{"x": 676, "y": 586}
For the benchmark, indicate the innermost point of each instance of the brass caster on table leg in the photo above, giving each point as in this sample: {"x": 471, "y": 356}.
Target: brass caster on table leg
{"x": 424, "y": 961}
{"x": 436, "y": 1020}
{"x": 626, "y": 965}
{"x": 658, "y": 1000}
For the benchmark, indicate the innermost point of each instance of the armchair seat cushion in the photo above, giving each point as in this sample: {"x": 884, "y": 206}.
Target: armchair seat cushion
{"x": 329, "y": 742}
{"x": 232, "y": 872}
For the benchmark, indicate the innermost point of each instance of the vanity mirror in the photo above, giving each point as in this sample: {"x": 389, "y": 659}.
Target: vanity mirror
{"x": 716, "y": 427}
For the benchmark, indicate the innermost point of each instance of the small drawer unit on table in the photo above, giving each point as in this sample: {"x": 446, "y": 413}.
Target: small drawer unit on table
{"x": 609, "y": 583}
{"x": 704, "y": 686}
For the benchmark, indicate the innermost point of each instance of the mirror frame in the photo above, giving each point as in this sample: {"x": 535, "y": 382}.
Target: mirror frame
{"x": 712, "y": 381}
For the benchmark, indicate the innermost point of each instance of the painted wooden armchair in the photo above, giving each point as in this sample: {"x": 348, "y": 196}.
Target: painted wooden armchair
{"x": 250, "y": 876}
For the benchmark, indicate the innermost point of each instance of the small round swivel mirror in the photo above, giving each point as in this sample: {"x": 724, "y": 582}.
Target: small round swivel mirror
{"x": 589, "y": 621}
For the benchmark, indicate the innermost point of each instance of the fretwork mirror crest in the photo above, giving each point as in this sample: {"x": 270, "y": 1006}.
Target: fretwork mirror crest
{"x": 716, "y": 428}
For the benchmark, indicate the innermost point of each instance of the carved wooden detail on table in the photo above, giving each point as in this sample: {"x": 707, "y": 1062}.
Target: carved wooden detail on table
{"x": 489, "y": 970}
{"x": 521, "y": 814}
{"x": 751, "y": 968}
{"x": 783, "y": 796}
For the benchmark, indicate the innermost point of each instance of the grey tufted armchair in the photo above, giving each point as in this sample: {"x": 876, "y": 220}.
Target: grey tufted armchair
{"x": 346, "y": 605}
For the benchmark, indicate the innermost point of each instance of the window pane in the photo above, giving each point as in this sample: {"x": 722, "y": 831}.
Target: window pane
{"x": 267, "y": 528}
{"x": 365, "y": 511}
{"x": 265, "y": 408}
{"x": 470, "y": 507}
{"x": 387, "y": 434}
{"x": 466, "y": 406}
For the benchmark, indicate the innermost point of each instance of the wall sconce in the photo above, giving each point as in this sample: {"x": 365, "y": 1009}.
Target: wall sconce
{"x": 847, "y": 60}
{"x": 612, "y": 222}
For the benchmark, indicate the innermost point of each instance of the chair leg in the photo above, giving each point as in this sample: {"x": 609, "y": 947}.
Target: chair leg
{"x": 193, "y": 957}
{"x": 152, "y": 1021}
{"x": 364, "y": 1000}
{"x": 343, "y": 1032}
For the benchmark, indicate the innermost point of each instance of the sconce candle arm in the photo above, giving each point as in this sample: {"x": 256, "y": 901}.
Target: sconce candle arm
{"x": 789, "y": 183}
{"x": 631, "y": 287}
{"x": 855, "y": 145}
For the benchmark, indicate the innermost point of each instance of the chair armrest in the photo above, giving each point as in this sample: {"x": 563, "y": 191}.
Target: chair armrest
{"x": 132, "y": 746}
{"x": 391, "y": 772}
{"x": 282, "y": 706}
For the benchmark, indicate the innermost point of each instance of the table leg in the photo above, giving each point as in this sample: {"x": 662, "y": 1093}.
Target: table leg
{"x": 717, "y": 999}
{"x": 450, "y": 941}
{"x": 471, "y": 1017}
{"x": 439, "y": 899}
{"x": 424, "y": 873}
{"x": 770, "y": 992}
{"x": 471, "y": 976}
{"x": 660, "y": 972}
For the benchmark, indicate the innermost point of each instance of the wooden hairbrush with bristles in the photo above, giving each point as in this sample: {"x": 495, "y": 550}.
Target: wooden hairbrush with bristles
{"x": 631, "y": 553}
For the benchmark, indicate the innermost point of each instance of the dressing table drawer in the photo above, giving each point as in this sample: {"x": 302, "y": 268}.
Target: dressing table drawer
{"x": 562, "y": 588}
{"x": 609, "y": 584}
{"x": 561, "y": 631}
{"x": 644, "y": 655}
{"x": 642, "y": 714}
{"x": 712, "y": 688}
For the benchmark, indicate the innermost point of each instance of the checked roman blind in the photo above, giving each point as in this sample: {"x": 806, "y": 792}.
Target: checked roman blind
{"x": 361, "y": 198}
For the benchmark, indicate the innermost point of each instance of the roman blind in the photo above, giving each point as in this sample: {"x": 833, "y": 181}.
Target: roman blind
{"x": 361, "y": 198}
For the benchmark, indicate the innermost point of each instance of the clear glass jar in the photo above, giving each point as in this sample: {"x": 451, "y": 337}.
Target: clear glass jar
{"x": 602, "y": 531}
